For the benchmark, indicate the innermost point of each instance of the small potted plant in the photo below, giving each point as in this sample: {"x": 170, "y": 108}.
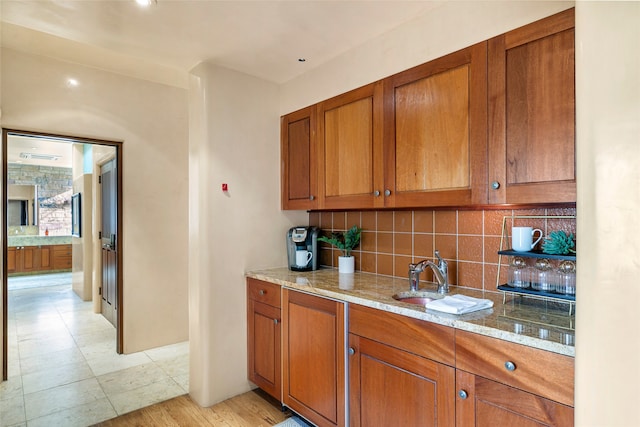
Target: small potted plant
{"x": 345, "y": 241}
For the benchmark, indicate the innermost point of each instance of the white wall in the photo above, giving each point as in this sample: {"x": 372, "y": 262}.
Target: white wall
{"x": 608, "y": 148}
{"x": 151, "y": 120}
{"x": 235, "y": 139}
{"x": 451, "y": 27}
{"x": 82, "y": 247}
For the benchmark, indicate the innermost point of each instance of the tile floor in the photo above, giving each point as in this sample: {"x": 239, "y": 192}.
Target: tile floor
{"x": 63, "y": 368}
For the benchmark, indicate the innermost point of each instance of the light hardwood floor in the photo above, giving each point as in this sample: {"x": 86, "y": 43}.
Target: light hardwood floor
{"x": 251, "y": 409}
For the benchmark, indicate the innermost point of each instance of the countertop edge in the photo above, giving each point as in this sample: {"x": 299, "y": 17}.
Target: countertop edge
{"x": 457, "y": 322}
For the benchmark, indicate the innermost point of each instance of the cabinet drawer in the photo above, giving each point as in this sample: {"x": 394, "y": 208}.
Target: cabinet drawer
{"x": 61, "y": 263}
{"x": 435, "y": 342}
{"x": 264, "y": 292}
{"x": 61, "y": 257}
{"x": 541, "y": 372}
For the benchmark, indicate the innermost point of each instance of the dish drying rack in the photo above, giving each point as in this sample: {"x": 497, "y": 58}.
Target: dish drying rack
{"x": 506, "y": 251}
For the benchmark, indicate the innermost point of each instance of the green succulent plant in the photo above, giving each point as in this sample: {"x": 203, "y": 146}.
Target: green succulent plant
{"x": 559, "y": 243}
{"x": 345, "y": 241}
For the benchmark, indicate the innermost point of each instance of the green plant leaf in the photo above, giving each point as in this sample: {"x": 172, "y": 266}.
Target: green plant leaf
{"x": 345, "y": 241}
{"x": 559, "y": 243}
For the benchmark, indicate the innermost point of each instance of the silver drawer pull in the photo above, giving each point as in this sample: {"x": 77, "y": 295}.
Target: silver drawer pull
{"x": 352, "y": 351}
{"x": 510, "y": 366}
{"x": 462, "y": 394}
{"x": 262, "y": 292}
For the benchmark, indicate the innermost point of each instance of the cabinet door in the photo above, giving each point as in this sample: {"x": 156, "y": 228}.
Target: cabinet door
{"x": 350, "y": 149}
{"x": 12, "y": 259}
{"x": 314, "y": 345}
{"x": 299, "y": 164}
{"x": 532, "y": 113}
{"x": 435, "y": 131}
{"x": 485, "y": 403}
{"x": 391, "y": 387}
{"x": 45, "y": 258}
{"x": 30, "y": 258}
{"x": 264, "y": 363}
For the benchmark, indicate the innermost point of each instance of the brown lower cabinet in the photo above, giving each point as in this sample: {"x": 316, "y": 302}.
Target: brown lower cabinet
{"x": 29, "y": 259}
{"x": 389, "y": 387}
{"x": 61, "y": 257}
{"x": 313, "y": 357}
{"x": 486, "y": 403}
{"x": 264, "y": 331}
{"x": 401, "y": 371}
{"x": 506, "y": 384}
{"x": 32, "y": 259}
{"x": 395, "y": 372}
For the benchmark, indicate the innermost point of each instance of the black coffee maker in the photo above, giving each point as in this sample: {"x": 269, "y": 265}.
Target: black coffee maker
{"x": 302, "y": 248}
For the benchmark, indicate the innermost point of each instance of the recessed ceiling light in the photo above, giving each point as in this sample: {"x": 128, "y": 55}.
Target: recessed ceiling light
{"x": 146, "y": 3}
{"x": 71, "y": 82}
{"x": 302, "y": 60}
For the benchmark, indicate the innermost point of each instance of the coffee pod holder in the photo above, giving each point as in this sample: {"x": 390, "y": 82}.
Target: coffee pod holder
{"x": 552, "y": 277}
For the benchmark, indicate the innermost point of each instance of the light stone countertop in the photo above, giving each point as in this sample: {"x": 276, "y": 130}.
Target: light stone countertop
{"x": 32, "y": 240}
{"x": 531, "y": 322}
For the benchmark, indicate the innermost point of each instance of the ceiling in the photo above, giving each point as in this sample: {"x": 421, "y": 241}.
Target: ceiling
{"x": 19, "y": 147}
{"x": 261, "y": 38}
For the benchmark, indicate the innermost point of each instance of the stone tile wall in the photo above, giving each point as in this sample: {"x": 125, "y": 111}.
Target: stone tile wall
{"x": 54, "y": 194}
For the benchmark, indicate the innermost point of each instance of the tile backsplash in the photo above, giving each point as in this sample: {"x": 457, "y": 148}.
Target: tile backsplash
{"x": 468, "y": 240}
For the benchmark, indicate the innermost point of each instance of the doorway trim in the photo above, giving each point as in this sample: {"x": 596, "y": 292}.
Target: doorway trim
{"x": 119, "y": 226}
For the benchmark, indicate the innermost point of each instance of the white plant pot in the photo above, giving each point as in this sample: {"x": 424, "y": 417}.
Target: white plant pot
{"x": 346, "y": 264}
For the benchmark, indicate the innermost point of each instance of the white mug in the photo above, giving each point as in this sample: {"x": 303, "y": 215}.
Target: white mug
{"x": 522, "y": 238}
{"x": 303, "y": 258}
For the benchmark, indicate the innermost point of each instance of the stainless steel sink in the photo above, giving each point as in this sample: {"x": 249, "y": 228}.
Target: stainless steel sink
{"x": 416, "y": 297}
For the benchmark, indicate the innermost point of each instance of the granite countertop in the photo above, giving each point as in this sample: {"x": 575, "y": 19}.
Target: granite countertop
{"x": 534, "y": 323}
{"x": 33, "y": 240}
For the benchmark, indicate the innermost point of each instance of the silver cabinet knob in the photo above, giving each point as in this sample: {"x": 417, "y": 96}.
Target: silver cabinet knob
{"x": 312, "y": 197}
{"x": 462, "y": 394}
{"x": 376, "y": 193}
{"x": 276, "y": 321}
{"x": 510, "y": 366}
{"x": 352, "y": 351}
{"x": 495, "y": 185}
{"x": 262, "y": 292}
{"x": 387, "y": 193}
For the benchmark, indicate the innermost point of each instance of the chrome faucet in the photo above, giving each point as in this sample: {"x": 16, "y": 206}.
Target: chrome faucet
{"x": 439, "y": 271}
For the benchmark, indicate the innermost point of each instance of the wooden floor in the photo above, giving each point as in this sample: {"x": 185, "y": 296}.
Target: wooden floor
{"x": 251, "y": 409}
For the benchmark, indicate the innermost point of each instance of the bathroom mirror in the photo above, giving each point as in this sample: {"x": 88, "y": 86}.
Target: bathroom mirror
{"x": 22, "y": 208}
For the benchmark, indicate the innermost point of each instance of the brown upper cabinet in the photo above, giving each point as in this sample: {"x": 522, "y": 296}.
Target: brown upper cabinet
{"x": 532, "y": 113}
{"x": 436, "y": 131}
{"x": 491, "y": 123}
{"x": 350, "y": 149}
{"x": 298, "y": 160}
